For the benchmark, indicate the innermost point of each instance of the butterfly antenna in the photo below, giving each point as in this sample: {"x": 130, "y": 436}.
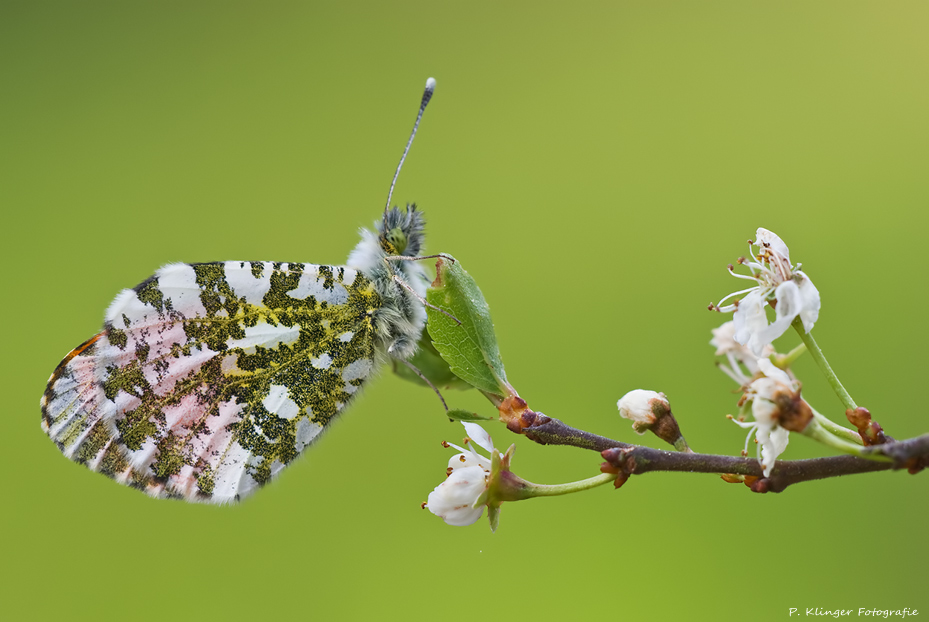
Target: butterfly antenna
{"x": 427, "y": 95}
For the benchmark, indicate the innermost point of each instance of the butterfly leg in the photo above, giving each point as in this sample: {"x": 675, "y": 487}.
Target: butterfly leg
{"x": 408, "y": 288}
{"x": 424, "y": 379}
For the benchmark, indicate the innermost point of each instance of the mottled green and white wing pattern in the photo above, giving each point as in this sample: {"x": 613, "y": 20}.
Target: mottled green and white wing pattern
{"x": 209, "y": 378}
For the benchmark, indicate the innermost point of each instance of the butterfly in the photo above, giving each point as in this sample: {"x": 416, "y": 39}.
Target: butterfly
{"x": 208, "y": 379}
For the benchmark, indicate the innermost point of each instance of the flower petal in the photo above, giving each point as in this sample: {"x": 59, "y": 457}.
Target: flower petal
{"x": 749, "y": 319}
{"x": 789, "y": 306}
{"x": 809, "y": 296}
{"x": 462, "y": 517}
{"x": 726, "y": 345}
{"x": 453, "y": 500}
{"x": 477, "y": 434}
{"x": 723, "y": 339}
{"x": 769, "y": 239}
{"x": 774, "y": 372}
{"x": 469, "y": 459}
{"x": 773, "y": 444}
{"x": 764, "y": 410}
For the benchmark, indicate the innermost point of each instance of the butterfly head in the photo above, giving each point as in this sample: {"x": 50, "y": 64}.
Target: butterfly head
{"x": 401, "y": 232}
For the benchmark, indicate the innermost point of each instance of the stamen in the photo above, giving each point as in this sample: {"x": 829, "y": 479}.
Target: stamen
{"x": 781, "y": 266}
{"x": 753, "y": 266}
{"x": 745, "y": 449}
{"x": 736, "y": 363}
{"x": 744, "y": 291}
{"x": 743, "y": 276}
{"x": 732, "y": 373}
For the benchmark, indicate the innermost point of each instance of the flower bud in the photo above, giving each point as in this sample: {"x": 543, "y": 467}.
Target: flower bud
{"x": 643, "y": 408}
{"x": 870, "y": 431}
{"x": 650, "y": 410}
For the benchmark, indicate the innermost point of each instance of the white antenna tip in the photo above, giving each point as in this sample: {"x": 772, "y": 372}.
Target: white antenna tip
{"x": 430, "y": 84}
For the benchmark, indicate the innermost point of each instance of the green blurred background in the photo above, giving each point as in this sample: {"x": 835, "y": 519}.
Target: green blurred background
{"x": 595, "y": 168}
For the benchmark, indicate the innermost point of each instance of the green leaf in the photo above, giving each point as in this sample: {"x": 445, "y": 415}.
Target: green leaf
{"x": 428, "y": 361}
{"x": 457, "y": 414}
{"x": 469, "y": 349}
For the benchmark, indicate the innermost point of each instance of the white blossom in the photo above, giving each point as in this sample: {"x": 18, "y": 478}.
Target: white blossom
{"x": 640, "y": 405}
{"x": 764, "y": 395}
{"x": 456, "y": 499}
{"x": 736, "y": 354}
{"x": 459, "y": 500}
{"x": 776, "y": 280}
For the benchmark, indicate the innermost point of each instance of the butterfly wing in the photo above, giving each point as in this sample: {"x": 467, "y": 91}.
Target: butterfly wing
{"x": 209, "y": 378}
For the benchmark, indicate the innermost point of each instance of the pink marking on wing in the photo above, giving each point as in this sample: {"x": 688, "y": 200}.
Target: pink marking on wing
{"x": 82, "y": 369}
{"x": 75, "y": 396}
{"x": 210, "y": 447}
{"x": 163, "y": 381}
{"x": 110, "y": 354}
{"x": 155, "y": 489}
{"x": 184, "y": 483}
{"x": 180, "y": 417}
{"x": 164, "y": 338}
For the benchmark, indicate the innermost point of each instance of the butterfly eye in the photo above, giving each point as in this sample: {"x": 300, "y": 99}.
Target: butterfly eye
{"x": 397, "y": 239}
